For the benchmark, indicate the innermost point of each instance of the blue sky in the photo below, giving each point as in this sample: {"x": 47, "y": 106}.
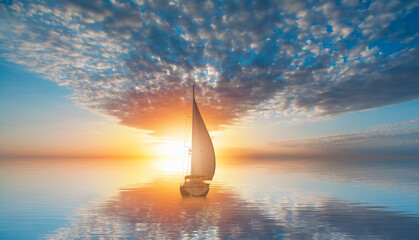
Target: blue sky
{"x": 278, "y": 71}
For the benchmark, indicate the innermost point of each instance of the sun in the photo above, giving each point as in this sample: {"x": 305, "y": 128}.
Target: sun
{"x": 170, "y": 149}
{"x": 171, "y": 156}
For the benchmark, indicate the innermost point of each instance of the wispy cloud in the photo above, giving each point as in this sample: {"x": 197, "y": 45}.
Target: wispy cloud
{"x": 389, "y": 138}
{"x": 137, "y": 60}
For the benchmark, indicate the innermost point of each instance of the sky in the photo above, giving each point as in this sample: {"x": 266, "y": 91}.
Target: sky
{"x": 273, "y": 78}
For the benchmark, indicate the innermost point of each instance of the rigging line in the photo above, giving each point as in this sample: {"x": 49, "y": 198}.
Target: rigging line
{"x": 185, "y": 139}
{"x": 188, "y": 159}
{"x": 184, "y": 145}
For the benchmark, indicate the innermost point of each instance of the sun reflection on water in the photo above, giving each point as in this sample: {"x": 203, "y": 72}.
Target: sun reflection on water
{"x": 170, "y": 165}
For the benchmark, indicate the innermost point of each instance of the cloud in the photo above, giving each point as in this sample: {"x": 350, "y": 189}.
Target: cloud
{"x": 137, "y": 60}
{"x": 401, "y": 138}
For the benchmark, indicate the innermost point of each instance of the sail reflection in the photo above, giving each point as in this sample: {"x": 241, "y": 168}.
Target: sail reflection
{"x": 156, "y": 211}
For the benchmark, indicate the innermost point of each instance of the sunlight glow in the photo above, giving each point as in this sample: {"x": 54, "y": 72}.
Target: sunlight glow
{"x": 172, "y": 156}
{"x": 171, "y": 165}
{"x": 170, "y": 149}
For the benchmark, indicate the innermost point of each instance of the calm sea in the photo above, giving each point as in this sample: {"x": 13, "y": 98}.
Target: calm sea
{"x": 266, "y": 199}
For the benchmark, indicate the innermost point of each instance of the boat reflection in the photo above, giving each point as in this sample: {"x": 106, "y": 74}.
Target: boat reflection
{"x": 157, "y": 211}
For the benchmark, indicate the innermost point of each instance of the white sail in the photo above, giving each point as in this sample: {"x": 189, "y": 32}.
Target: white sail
{"x": 203, "y": 157}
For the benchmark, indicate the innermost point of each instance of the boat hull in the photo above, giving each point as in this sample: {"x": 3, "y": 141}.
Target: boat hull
{"x": 194, "y": 191}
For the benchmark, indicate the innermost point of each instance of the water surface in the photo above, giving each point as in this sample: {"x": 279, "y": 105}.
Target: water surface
{"x": 288, "y": 199}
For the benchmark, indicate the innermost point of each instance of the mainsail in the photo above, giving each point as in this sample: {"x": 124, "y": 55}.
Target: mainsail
{"x": 203, "y": 157}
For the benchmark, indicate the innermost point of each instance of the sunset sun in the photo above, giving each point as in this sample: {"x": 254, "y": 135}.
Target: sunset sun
{"x": 171, "y": 156}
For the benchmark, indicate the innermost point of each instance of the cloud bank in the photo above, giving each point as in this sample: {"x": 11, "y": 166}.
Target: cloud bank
{"x": 137, "y": 60}
{"x": 396, "y": 139}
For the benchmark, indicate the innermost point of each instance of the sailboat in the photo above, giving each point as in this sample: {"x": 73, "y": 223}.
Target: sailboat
{"x": 202, "y": 157}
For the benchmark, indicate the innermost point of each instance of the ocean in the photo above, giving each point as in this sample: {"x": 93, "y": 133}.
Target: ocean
{"x": 255, "y": 199}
